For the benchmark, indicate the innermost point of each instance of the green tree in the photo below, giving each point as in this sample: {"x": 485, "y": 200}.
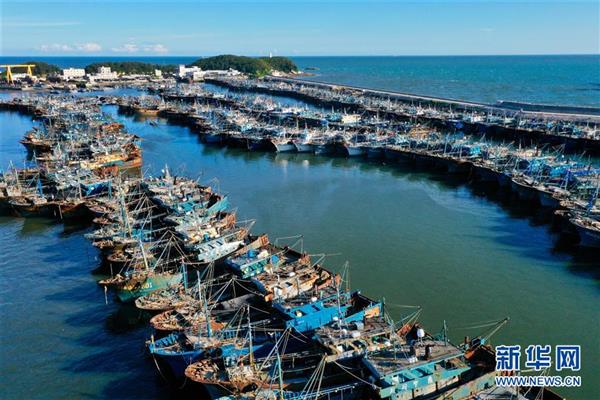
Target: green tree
{"x": 248, "y": 65}
{"x": 130, "y": 67}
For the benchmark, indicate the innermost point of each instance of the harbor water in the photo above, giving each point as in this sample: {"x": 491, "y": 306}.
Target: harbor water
{"x": 413, "y": 237}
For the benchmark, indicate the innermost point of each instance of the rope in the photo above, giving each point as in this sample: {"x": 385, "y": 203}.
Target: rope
{"x": 353, "y": 375}
{"x": 480, "y": 325}
{"x": 401, "y": 305}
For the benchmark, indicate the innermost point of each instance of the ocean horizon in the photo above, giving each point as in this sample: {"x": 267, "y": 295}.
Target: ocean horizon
{"x": 570, "y": 80}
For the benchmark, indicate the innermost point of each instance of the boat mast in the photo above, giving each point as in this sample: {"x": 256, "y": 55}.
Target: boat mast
{"x": 251, "y": 353}
{"x": 204, "y": 301}
{"x": 279, "y": 374}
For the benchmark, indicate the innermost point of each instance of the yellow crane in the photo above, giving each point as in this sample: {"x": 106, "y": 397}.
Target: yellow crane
{"x": 9, "y": 67}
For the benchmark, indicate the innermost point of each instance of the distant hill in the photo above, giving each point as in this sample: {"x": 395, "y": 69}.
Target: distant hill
{"x": 249, "y": 65}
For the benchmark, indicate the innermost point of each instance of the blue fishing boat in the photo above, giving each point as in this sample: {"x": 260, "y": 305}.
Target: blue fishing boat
{"x": 303, "y": 314}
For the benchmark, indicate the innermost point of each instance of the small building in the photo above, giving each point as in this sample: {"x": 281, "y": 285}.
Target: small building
{"x": 104, "y": 74}
{"x": 188, "y": 72}
{"x": 158, "y": 73}
{"x": 73, "y": 73}
{"x": 24, "y": 77}
{"x": 200, "y": 75}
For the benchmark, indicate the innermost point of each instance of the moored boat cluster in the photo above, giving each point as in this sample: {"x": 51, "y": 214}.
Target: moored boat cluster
{"x": 563, "y": 123}
{"x": 545, "y": 176}
{"x": 238, "y": 313}
{"x": 541, "y": 177}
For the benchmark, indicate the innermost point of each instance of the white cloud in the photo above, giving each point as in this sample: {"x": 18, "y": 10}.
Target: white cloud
{"x": 56, "y": 47}
{"x": 156, "y": 48}
{"x": 89, "y": 47}
{"x": 146, "y": 48}
{"x": 126, "y": 48}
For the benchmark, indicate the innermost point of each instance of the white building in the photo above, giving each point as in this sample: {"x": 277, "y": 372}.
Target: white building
{"x": 158, "y": 73}
{"x": 200, "y": 75}
{"x": 186, "y": 72}
{"x": 23, "y": 76}
{"x": 73, "y": 73}
{"x": 104, "y": 74}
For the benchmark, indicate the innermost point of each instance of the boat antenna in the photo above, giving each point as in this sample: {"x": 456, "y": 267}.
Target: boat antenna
{"x": 184, "y": 272}
{"x": 445, "y": 332}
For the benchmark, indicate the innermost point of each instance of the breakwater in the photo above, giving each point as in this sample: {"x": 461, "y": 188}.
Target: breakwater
{"x": 431, "y": 111}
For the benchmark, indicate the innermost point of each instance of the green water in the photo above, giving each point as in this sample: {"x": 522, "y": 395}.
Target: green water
{"x": 414, "y": 238}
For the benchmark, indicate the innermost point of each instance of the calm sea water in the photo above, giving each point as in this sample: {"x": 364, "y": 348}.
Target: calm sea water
{"x": 412, "y": 237}
{"x": 565, "y": 80}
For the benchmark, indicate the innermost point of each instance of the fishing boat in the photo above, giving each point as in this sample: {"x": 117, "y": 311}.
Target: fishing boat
{"x": 167, "y": 270}
{"x": 263, "y": 257}
{"x": 293, "y": 279}
{"x": 216, "y": 249}
{"x": 164, "y": 300}
{"x": 303, "y": 142}
{"x": 253, "y": 368}
{"x": 429, "y": 366}
{"x": 524, "y": 186}
{"x": 213, "y": 137}
{"x": 223, "y": 302}
{"x": 32, "y": 206}
{"x": 137, "y": 285}
{"x": 353, "y": 149}
{"x": 588, "y": 230}
{"x": 280, "y": 143}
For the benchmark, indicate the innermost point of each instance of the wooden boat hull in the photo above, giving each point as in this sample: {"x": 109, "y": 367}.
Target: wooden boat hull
{"x": 304, "y": 147}
{"x": 485, "y": 174}
{"x": 33, "y": 210}
{"x": 525, "y": 192}
{"x": 588, "y": 237}
{"x": 287, "y": 147}
{"x": 548, "y": 200}
{"x": 129, "y": 293}
{"x": 147, "y": 112}
{"x": 353, "y": 151}
{"x": 176, "y": 363}
{"x": 390, "y": 154}
{"x": 322, "y": 149}
{"x": 375, "y": 152}
{"x": 212, "y": 138}
{"x": 504, "y": 180}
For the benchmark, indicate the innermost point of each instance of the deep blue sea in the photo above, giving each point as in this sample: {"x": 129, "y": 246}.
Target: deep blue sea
{"x": 565, "y": 80}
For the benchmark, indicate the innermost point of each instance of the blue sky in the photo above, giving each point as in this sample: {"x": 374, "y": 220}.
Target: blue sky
{"x": 138, "y": 28}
